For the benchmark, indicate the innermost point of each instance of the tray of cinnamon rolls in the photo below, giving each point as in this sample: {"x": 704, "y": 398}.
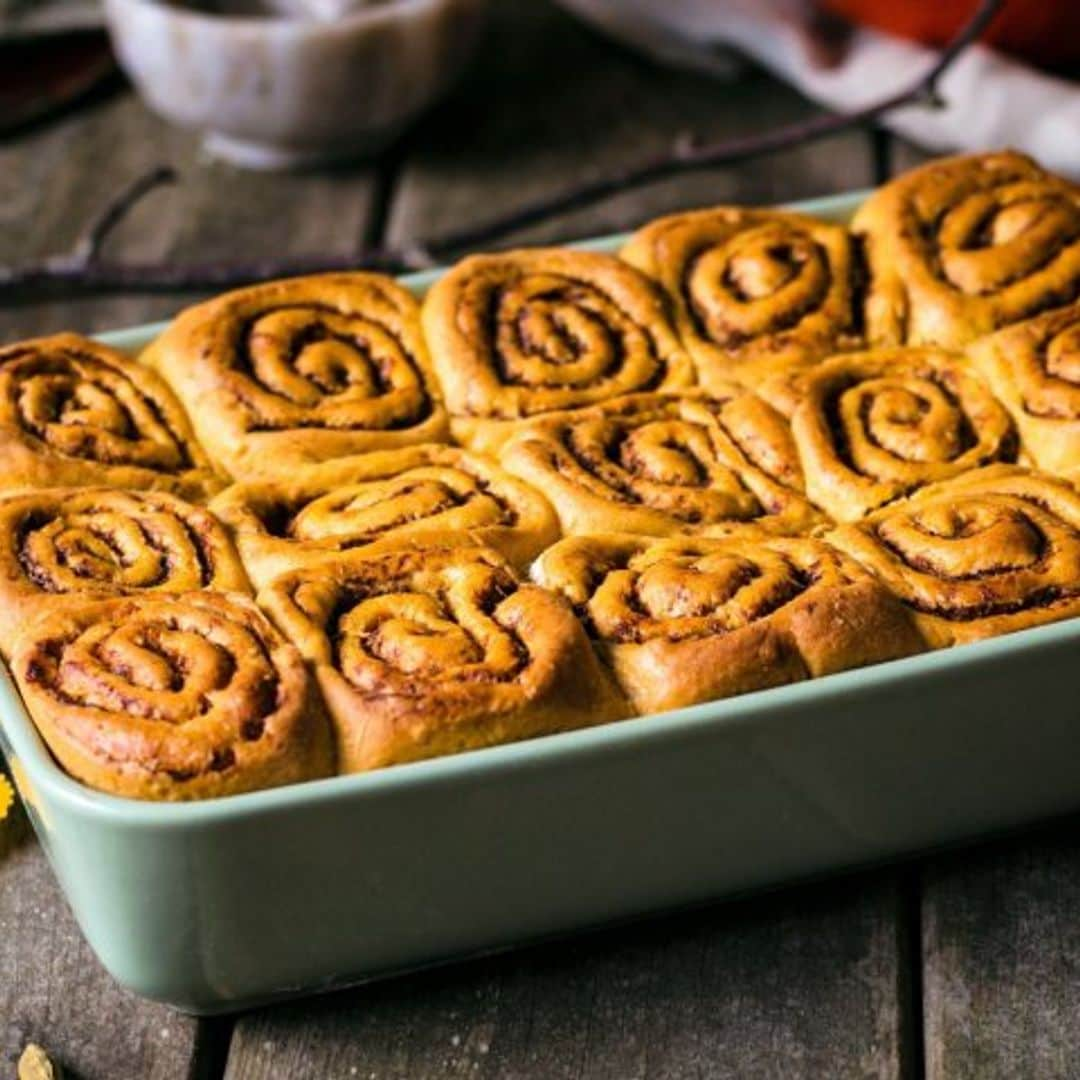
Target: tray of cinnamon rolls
{"x": 292, "y": 586}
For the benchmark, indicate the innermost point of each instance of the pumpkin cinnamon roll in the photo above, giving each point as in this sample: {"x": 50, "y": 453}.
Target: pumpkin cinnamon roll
{"x": 315, "y": 512}
{"x": 73, "y": 411}
{"x": 874, "y": 426}
{"x": 433, "y": 648}
{"x": 753, "y": 288}
{"x": 666, "y": 464}
{"x": 986, "y": 553}
{"x": 303, "y": 370}
{"x": 689, "y": 620}
{"x": 965, "y": 245}
{"x": 172, "y": 697}
{"x": 1034, "y": 368}
{"x": 97, "y": 543}
{"x": 534, "y": 331}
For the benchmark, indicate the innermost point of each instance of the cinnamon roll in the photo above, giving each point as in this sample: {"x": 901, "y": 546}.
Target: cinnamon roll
{"x": 665, "y": 464}
{"x": 530, "y": 332}
{"x": 689, "y": 620}
{"x": 986, "y": 553}
{"x": 303, "y": 370}
{"x": 433, "y": 648}
{"x": 753, "y": 288}
{"x": 172, "y": 697}
{"x": 73, "y": 411}
{"x": 965, "y": 245}
{"x": 1034, "y": 368}
{"x": 874, "y": 426}
{"x": 96, "y": 543}
{"x": 317, "y": 511}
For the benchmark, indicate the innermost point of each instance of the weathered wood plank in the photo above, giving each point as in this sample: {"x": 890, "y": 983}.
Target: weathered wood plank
{"x": 1001, "y": 947}
{"x": 806, "y": 984}
{"x": 550, "y": 103}
{"x": 53, "y": 182}
{"x": 52, "y": 990}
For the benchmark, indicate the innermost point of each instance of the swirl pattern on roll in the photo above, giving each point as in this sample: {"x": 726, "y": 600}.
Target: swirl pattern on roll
{"x": 317, "y": 511}
{"x": 74, "y": 411}
{"x": 303, "y": 370}
{"x": 753, "y": 288}
{"x": 874, "y": 426}
{"x": 178, "y": 697}
{"x": 1034, "y": 368}
{"x": 530, "y": 332}
{"x": 688, "y": 620}
{"x": 965, "y": 245}
{"x": 433, "y": 648}
{"x": 665, "y": 464}
{"x": 59, "y": 543}
{"x": 993, "y": 551}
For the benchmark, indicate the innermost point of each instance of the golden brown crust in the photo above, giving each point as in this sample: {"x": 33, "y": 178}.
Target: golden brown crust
{"x": 752, "y": 288}
{"x": 180, "y": 697}
{"x": 874, "y": 426}
{"x": 1034, "y": 368}
{"x": 315, "y": 512}
{"x": 432, "y": 648}
{"x": 665, "y": 465}
{"x": 74, "y": 411}
{"x": 692, "y": 410}
{"x": 534, "y": 331}
{"x": 965, "y": 245}
{"x": 60, "y": 544}
{"x": 691, "y": 620}
{"x": 987, "y": 553}
{"x": 303, "y": 370}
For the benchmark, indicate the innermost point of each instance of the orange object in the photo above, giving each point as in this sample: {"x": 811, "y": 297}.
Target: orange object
{"x": 1045, "y": 32}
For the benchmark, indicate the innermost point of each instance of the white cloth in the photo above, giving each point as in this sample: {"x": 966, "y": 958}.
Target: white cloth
{"x": 991, "y": 100}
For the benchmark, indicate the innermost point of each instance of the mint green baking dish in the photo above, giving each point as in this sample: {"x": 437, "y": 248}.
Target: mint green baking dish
{"x": 229, "y": 903}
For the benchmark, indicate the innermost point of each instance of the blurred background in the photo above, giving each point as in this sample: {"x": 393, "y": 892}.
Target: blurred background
{"x": 330, "y": 125}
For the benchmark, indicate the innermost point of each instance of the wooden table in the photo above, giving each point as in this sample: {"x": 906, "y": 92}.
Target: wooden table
{"x": 966, "y": 965}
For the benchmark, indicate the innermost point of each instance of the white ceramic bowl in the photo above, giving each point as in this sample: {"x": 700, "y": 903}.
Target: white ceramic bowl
{"x": 276, "y": 91}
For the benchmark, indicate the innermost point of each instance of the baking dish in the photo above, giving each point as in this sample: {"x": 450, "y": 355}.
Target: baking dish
{"x": 229, "y": 903}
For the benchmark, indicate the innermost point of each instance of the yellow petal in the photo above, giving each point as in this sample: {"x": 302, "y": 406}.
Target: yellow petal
{"x": 7, "y": 797}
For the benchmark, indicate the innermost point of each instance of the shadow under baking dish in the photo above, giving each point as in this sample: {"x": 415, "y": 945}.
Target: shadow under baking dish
{"x": 228, "y": 903}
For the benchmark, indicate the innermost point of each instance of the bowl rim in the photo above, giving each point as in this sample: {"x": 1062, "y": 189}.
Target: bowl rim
{"x": 380, "y": 13}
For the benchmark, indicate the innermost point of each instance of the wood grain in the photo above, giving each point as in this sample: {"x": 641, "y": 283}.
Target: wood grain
{"x": 807, "y": 984}
{"x": 54, "y": 992}
{"x": 53, "y": 181}
{"x": 550, "y": 103}
{"x": 1001, "y": 949}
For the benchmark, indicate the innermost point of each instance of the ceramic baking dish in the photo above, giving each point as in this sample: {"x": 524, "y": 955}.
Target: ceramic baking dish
{"x": 220, "y": 905}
